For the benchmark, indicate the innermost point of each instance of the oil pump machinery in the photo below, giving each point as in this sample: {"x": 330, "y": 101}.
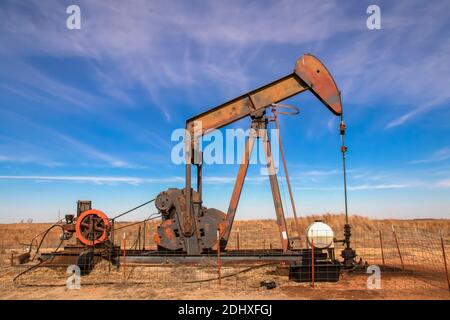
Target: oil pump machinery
{"x": 190, "y": 227}
{"x": 190, "y": 230}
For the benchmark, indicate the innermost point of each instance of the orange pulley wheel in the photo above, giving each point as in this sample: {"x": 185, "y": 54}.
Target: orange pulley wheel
{"x": 92, "y": 227}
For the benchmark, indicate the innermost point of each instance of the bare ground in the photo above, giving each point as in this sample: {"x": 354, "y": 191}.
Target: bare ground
{"x": 423, "y": 277}
{"x": 171, "y": 282}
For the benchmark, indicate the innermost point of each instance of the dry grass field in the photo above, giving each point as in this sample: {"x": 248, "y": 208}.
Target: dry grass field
{"x": 419, "y": 275}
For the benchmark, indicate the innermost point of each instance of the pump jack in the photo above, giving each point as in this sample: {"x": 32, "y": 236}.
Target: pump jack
{"x": 189, "y": 231}
{"x": 189, "y": 227}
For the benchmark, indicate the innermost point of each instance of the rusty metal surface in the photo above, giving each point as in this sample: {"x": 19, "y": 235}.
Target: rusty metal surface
{"x": 281, "y": 221}
{"x": 171, "y": 233}
{"x": 83, "y": 205}
{"x": 92, "y": 227}
{"x": 320, "y": 82}
{"x": 188, "y": 226}
{"x": 225, "y": 259}
{"x": 225, "y": 227}
{"x": 248, "y": 103}
{"x": 309, "y": 74}
{"x": 69, "y": 255}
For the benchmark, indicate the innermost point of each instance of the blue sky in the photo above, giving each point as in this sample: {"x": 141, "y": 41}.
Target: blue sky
{"x": 88, "y": 114}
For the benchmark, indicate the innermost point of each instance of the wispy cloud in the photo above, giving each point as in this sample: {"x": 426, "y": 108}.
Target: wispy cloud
{"x": 396, "y": 65}
{"x": 171, "y": 45}
{"x": 29, "y": 160}
{"x": 381, "y": 186}
{"x": 357, "y": 187}
{"x": 43, "y": 87}
{"x": 319, "y": 173}
{"x": 443, "y": 183}
{"x": 53, "y": 143}
{"x": 210, "y": 180}
{"x": 94, "y": 153}
{"x": 147, "y": 66}
{"x": 94, "y": 179}
{"x": 438, "y": 155}
{"x": 213, "y": 180}
{"x": 444, "y": 98}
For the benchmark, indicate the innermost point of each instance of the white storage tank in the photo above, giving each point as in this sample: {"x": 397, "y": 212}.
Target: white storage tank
{"x": 322, "y": 234}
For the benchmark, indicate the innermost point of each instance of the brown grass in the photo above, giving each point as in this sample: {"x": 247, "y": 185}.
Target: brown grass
{"x": 251, "y": 232}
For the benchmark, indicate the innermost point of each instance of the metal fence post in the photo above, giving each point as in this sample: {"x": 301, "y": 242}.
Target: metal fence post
{"x": 381, "y": 246}
{"x": 237, "y": 240}
{"x": 218, "y": 257}
{"x": 312, "y": 263}
{"x": 398, "y": 248}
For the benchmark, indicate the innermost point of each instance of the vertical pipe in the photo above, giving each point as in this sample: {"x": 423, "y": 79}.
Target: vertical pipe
{"x": 312, "y": 263}
{"x": 348, "y": 254}
{"x": 381, "y": 246}
{"x": 188, "y": 157}
{"x": 445, "y": 263}
{"x": 398, "y": 247}
{"x": 218, "y": 257}
{"x": 343, "y": 151}
{"x": 191, "y": 150}
{"x": 187, "y": 218}
{"x": 199, "y": 181}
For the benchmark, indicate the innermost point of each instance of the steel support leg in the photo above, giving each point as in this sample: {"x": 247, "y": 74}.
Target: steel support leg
{"x": 281, "y": 221}
{"x": 239, "y": 184}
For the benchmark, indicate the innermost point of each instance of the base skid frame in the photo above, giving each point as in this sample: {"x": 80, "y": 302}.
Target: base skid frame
{"x": 298, "y": 261}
